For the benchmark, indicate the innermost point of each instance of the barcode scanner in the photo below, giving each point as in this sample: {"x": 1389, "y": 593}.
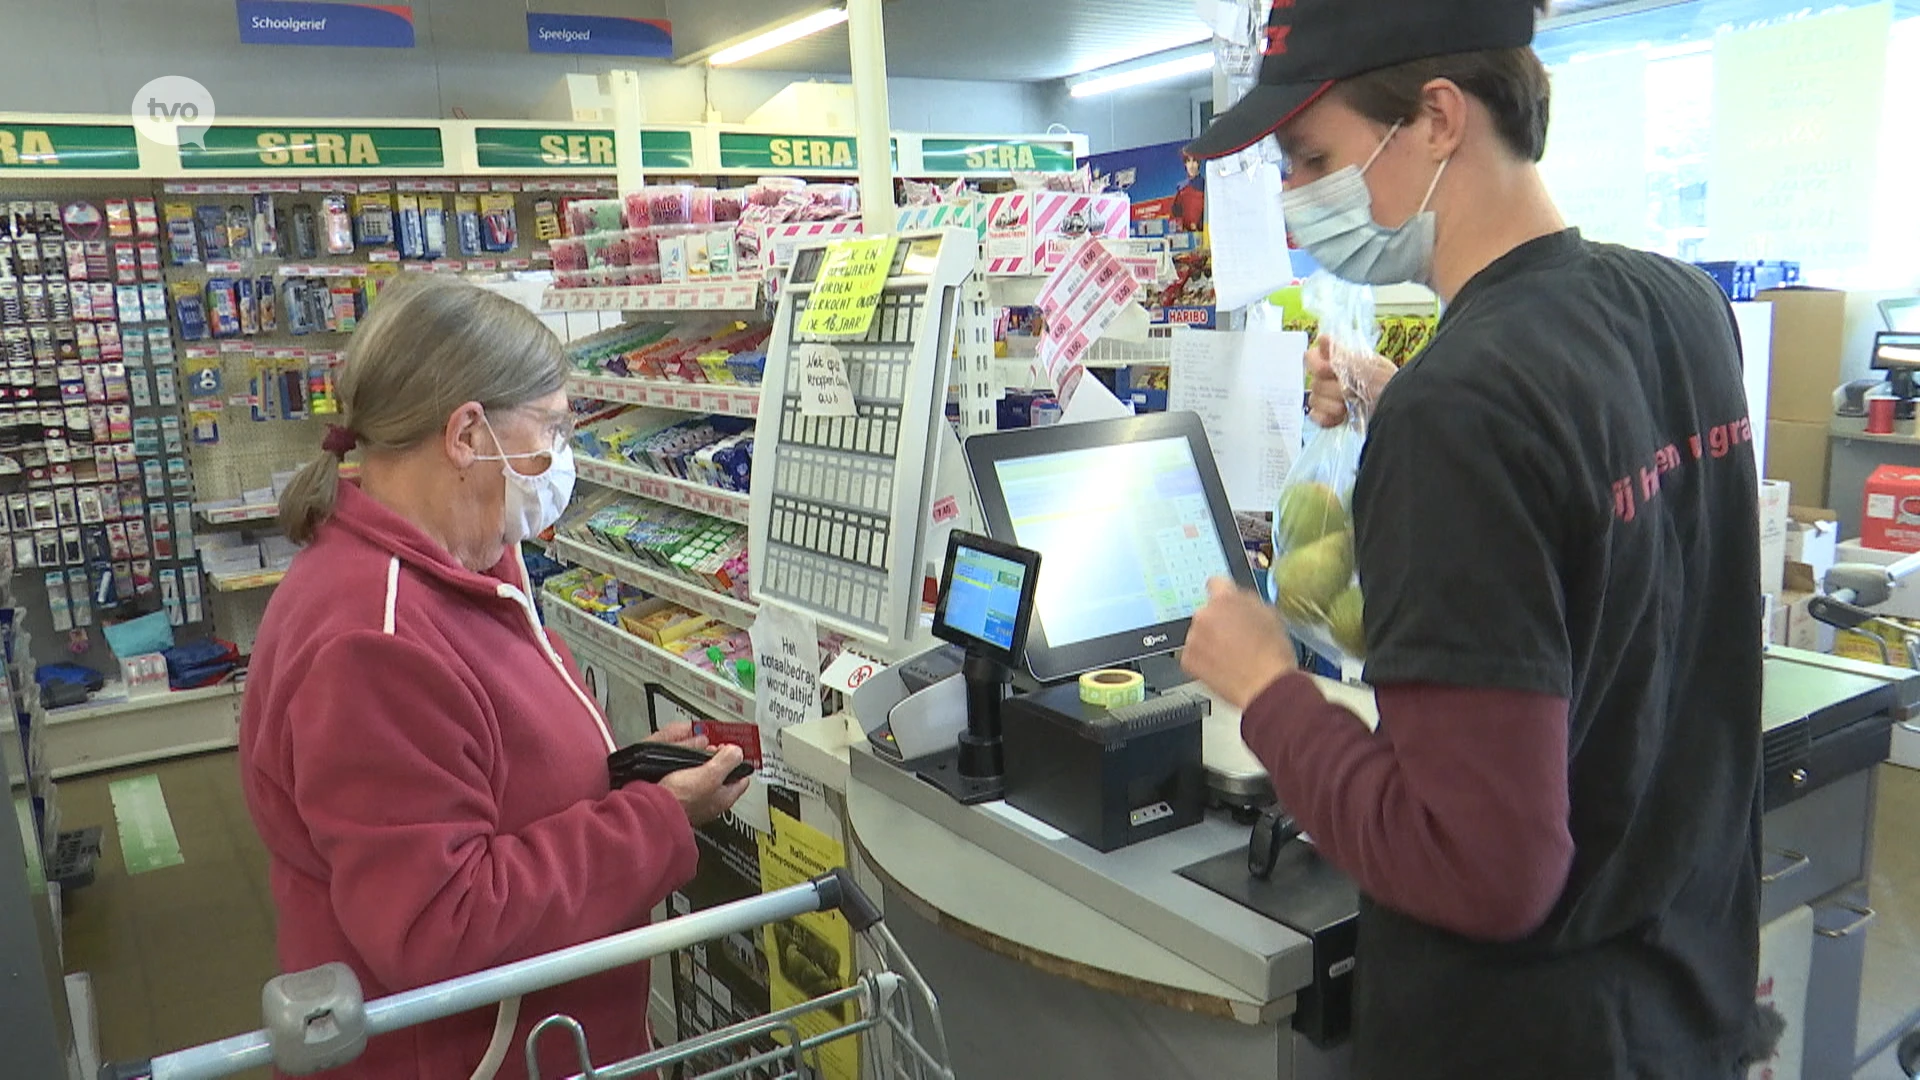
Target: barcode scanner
{"x": 1275, "y": 830}
{"x": 654, "y": 762}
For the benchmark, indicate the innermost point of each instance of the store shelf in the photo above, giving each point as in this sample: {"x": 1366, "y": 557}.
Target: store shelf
{"x": 687, "y": 397}
{"x": 650, "y": 663}
{"x": 721, "y": 296}
{"x": 736, "y": 612}
{"x": 731, "y": 505}
{"x": 105, "y": 703}
{"x": 258, "y": 579}
{"x": 234, "y": 515}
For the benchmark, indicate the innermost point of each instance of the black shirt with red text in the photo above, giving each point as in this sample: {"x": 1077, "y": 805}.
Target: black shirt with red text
{"x": 1560, "y": 496}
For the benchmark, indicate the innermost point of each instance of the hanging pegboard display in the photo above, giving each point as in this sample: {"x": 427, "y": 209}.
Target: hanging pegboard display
{"x": 93, "y": 448}
{"x": 838, "y": 500}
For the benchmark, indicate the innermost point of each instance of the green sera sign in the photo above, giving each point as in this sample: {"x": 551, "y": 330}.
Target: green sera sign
{"x": 808, "y": 153}
{"x": 574, "y": 148}
{"x": 232, "y": 149}
{"x": 47, "y": 147}
{"x": 995, "y": 156}
{"x": 532, "y": 148}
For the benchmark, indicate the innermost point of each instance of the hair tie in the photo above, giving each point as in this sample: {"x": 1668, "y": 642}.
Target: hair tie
{"x": 339, "y": 441}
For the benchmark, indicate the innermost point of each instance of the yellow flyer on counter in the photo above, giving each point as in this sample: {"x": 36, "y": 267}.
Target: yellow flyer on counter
{"x": 812, "y": 955}
{"x": 848, "y": 290}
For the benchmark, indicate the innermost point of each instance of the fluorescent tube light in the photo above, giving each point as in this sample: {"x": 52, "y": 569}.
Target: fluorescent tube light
{"x": 1170, "y": 69}
{"x": 775, "y": 38}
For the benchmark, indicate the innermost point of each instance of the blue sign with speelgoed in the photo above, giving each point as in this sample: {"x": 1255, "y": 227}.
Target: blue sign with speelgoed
{"x": 310, "y": 22}
{"x": 601, "y": 35}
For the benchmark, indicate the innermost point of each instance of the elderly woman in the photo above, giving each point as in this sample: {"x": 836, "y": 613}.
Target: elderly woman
{"x": 417, "y": 752}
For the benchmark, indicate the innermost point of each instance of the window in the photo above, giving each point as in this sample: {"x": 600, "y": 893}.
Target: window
{"x": 1670, "y": 52}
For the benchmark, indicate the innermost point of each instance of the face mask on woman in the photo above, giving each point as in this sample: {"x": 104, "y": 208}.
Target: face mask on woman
{"x": 534, "y": 502}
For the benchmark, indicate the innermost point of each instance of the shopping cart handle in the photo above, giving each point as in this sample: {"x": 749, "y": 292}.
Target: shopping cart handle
{"x": 127, "y": 1070}
{"x": 837, "y": 890}
{"x": 1837, "y": 610}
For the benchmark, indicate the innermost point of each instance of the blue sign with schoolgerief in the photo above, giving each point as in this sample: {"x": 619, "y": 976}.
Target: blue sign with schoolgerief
{"x": 602, "y": 35}
{"x": 309, "y": 22}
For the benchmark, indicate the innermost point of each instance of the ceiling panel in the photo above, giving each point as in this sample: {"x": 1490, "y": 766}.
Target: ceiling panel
{"x": 1011, "y": 40}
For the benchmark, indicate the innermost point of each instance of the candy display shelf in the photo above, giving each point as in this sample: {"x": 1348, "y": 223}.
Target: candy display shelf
{"x": 720, "y": 606}
{"x": 646, "y": 662}
{"x": 731, "y": 505}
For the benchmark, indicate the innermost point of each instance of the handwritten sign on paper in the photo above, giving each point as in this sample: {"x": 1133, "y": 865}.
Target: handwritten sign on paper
{"x": 1247, "y": 389}
{"x": 786, "y": 659}
{"x": 824, "y": 389}
{"x": 848, "y": 292}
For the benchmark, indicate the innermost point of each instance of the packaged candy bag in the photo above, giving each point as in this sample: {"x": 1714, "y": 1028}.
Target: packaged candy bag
{"x": 1313, "y": 580}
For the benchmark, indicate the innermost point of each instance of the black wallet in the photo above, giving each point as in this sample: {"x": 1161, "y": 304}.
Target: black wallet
{"x": 652, "y": 762}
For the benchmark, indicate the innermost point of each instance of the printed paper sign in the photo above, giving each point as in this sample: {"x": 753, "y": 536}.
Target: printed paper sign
{"x": 848, "y": 291}
{"x": 786, "y": 657}
{"x": 824, "y": 390}
{"x": 809, "y": 956}
{"x": 848, "y": 672}
{"x": 1245, "y": 387}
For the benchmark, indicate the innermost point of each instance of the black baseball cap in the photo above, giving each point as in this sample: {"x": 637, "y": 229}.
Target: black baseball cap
{"x": 1311, "y": 44}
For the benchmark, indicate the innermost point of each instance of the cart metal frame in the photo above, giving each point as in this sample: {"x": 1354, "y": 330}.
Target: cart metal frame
{"x": 898, "y": 1018}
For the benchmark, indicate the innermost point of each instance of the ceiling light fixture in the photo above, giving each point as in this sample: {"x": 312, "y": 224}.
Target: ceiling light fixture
{"x": 783, "y": 35}
{"x": 1153, "y": 73}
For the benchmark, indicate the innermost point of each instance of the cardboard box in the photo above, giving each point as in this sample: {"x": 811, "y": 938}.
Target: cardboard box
{"x": 1797, "y": 453}
{"x": 1020, "y": 224}
{"x": 1775, "y": 495}
{"x": 1813, "y": 539}
{"x": 1890, "y": 518}
{"x": 1821, "y": 339}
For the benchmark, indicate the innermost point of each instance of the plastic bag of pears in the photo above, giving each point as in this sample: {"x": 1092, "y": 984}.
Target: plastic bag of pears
{"x": 1313, "y": 580}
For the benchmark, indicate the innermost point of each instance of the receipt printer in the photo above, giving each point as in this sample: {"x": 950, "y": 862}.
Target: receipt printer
{"x": 1106, "y": 777}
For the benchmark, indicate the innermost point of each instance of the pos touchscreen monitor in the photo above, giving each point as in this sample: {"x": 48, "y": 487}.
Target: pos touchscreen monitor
{"x": 1131, "y": 520}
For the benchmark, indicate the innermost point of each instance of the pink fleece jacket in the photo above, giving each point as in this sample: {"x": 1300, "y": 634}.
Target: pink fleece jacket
{"x": 431, "y": 785}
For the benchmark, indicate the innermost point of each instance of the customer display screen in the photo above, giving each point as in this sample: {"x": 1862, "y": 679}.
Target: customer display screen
{"x": 983, "y": 597}
{"x": 1126, "y": 532}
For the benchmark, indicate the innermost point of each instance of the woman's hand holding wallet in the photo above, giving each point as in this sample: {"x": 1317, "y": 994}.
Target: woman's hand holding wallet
{"x": 706, "y": 783}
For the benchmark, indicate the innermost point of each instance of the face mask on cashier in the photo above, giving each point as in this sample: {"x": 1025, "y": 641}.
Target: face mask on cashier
{"x": 1332, "y": 218}
{"x": 535, "y": 502}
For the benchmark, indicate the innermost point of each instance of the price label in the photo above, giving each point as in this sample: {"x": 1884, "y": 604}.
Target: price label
{"x": 687, "y": 399}
{"x": 716, "y": 402}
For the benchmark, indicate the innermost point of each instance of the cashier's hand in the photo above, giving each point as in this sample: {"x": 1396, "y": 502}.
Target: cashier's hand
{"x": 704, "y": 792}
{"x": 681, "y": 734}
{"x": 1237, "y": 644}
{"x": 1327, "y": 401}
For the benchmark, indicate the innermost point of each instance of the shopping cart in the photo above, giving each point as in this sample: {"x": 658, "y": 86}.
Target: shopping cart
{"x": 317, "y": 1020}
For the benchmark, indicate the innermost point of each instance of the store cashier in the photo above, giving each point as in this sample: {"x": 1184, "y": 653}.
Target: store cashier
{"x": 417, "y": 752}
{"x": 1556, "y": 825}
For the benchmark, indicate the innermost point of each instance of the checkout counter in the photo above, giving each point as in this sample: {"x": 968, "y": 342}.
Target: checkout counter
{"x": 1053, "y": 959}
{"x": 1164, "y": 957}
